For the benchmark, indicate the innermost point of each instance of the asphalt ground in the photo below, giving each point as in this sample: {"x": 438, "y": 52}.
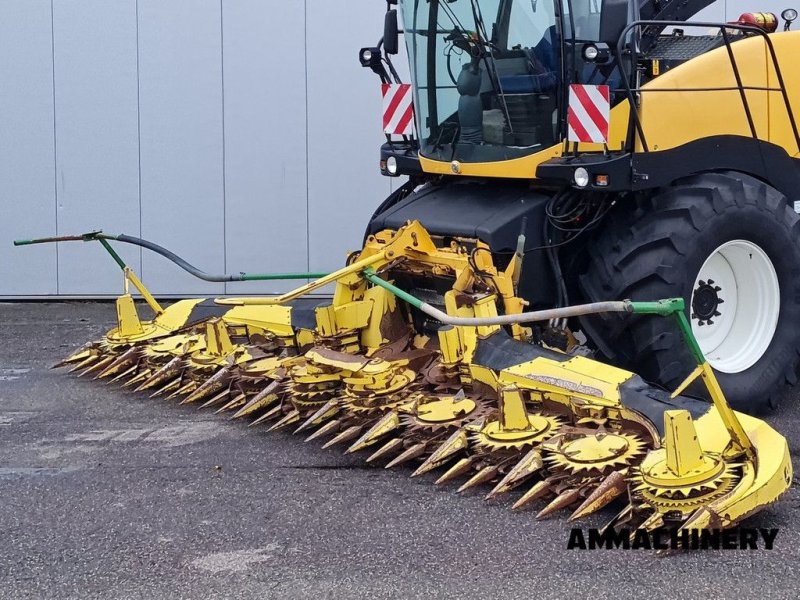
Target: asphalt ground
{"x": 107, "y": 494}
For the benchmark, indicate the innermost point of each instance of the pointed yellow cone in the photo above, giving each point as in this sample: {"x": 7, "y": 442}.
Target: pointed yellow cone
{"x": 526, "y": 467}
{"x": 390, "y": 446}
{"x": 539, "y": 489}
{"x": 348, "y": 434}
{"x": 120, "y": 363}
{"x": 388, "y": 423}
{"x": 329, "y": 427}
{"x": 161, "y": 375}
{"x": 261, "y": 400}
{"x": 145, "y": 373}
{"x": 703, "y": 518}
{"x": 291, "y": 417}
{"x": 182, "y": 390}
{"x": 85, "y": 362}
{"x": 407, "y": 455}
{"x": 457, "y": 470}
{"x": 563, "y": 500}
{"x": 103, "y": 362}
{"x": 270, "y": 414}
{"x": 216, "y": 399}
{"x": 482, "y": 476}
{"x": 451, "y": 446}
{"x": 328, "y": 411}
{"x": 122, "y": 375}
{"x": 319, "y": 418}
{"x": 233, "y": 403}
{"x": 79, "y": 355}
{"x": 209, "y": 386}
{"x": 620, "y": 519}
{"x": 652, "y": 522}
{"x": 172, "y": 385}
{"x": 610, "y": 488}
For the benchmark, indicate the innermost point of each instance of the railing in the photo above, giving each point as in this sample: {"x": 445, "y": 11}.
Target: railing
{"x": 723, "y": 28}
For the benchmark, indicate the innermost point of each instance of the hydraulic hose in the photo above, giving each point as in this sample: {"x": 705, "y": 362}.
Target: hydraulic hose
{"x": 526, "y": 317}
{"x": 169, "y": 255}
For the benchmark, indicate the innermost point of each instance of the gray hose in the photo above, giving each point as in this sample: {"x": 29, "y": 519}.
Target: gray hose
{"x": 528, "y": 317}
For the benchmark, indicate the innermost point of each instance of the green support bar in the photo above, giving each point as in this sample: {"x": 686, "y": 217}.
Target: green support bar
{"x": 372, "y": 277}
{"x": 660, "y": 307}
{"x": 117, "y": 258}
{"x": 280, "y": 276}
{"x": 676, "y": 308}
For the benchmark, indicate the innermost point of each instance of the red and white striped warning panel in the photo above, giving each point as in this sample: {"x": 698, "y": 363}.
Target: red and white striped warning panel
{"x": 588, "y": 113}
{"x": 398, "y": 109}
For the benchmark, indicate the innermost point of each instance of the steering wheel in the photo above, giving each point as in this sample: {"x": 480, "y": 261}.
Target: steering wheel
{"x": 473, "y": 47}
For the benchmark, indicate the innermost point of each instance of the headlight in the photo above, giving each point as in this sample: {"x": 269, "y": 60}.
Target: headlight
{"x": 369, "y": 57}
{"x": 581, "y": 177}
{"x": 789, "y": 14}
{"x": 391, "y": 165}
{"x": 596, "y": 52}
{"x": 590, "y": 52}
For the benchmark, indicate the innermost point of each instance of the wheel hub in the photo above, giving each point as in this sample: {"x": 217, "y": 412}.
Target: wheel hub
{"x": 706, "y": 301}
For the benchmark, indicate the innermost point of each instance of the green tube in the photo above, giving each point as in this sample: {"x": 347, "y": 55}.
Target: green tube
{"x": 660, "y": 307}
{"x": 117, "y": 258}
{"x": 280, "y": 276}
{"x": 688, "y": 335}
{"x": 372, "y": 277}
{"x": 83, "y": 237}
{"x": 674, "y": 307}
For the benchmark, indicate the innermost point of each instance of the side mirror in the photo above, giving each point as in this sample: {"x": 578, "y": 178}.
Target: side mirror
{"x": 613, "y": 20}
{"x": 390, "y": 32}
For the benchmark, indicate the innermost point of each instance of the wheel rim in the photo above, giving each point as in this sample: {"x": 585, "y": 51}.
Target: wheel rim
{"x": 735, "y": 306}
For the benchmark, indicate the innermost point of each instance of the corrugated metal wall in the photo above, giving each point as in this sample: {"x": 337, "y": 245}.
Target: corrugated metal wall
{"x": 242, "y": 134}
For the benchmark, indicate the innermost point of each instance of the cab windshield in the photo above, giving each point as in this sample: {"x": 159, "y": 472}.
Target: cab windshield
{"x": 487, "y": 73}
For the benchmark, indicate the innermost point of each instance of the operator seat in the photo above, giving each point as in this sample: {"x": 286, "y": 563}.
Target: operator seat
{"x": 470, "y": 105}
{"x": 543, "y": 68}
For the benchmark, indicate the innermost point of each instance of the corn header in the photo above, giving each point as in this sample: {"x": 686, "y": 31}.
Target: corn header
{"x": 463, "y": 389}
{"x": 560, "y": 157}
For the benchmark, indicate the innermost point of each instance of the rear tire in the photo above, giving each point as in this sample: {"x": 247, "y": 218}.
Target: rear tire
{"x": 724, "y": 225}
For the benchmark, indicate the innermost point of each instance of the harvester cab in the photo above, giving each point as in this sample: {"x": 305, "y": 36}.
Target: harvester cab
{"x": 574, "y": 123}
{"x": 490, "y": 77}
